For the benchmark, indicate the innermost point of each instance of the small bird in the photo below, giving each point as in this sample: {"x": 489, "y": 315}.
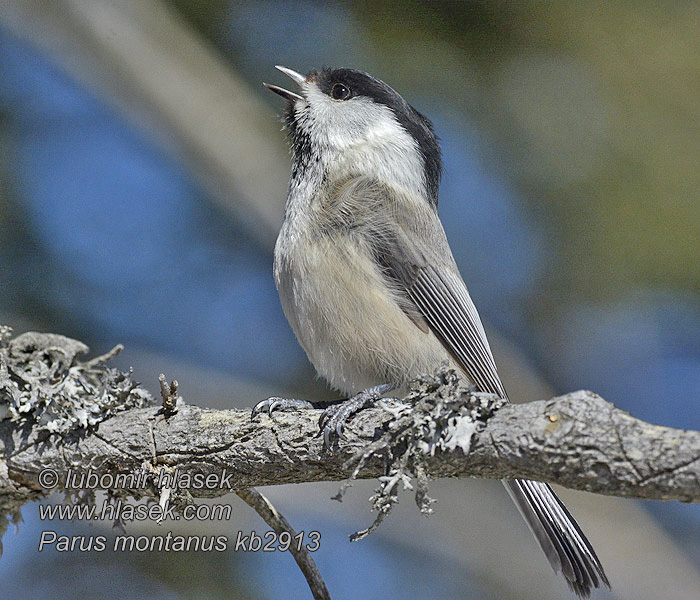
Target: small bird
{"x": 366, "y": 276}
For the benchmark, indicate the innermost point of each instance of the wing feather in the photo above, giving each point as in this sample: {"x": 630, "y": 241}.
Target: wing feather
{"x": 446, "y": 305}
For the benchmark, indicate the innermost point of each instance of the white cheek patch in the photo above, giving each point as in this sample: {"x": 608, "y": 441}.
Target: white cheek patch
{"x": 387, "y": 150}
{"x": 365, "y": 137}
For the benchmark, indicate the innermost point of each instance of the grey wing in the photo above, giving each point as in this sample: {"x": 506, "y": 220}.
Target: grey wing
{"x": 426, "y": 273}
{"x": 406, "y": 237}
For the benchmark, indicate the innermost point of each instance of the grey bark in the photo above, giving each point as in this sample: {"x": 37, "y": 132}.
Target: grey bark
{"x": 577, "y": 440}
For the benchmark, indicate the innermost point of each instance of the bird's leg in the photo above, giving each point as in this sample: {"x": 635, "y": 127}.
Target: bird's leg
{"x": 334, "y": 417}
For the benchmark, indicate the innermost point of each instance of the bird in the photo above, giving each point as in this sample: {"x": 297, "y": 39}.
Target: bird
{"x": 368, "y": 282}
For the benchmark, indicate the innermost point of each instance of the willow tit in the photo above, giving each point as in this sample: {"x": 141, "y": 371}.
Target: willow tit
{"x": 367, "y": 279}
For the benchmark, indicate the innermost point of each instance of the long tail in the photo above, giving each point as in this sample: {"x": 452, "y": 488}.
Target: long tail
{"x": 559, "y": 536}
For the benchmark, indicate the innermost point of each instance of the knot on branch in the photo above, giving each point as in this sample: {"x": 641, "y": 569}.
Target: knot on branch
{"x": 441, "y": 413}
{"x": 43, "y": 384}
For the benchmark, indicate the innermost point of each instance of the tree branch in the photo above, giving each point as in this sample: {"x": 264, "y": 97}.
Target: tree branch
{"x": 578, "y": 440}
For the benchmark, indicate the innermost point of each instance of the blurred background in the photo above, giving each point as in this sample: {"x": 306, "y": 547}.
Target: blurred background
{"x": 142, "y": 182}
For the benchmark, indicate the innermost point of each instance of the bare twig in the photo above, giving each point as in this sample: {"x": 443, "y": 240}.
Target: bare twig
{"x": 168, "y": 392}
{"x": 280, "y": 525}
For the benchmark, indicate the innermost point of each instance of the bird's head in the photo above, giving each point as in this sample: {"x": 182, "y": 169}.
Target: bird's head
{"x": 348, "y": 123}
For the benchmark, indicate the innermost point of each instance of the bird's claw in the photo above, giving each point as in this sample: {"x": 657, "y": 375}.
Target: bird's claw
{"x": 327, "y": 413}
{"x": 332, "y": 420}
{"x": 276, "y": 403}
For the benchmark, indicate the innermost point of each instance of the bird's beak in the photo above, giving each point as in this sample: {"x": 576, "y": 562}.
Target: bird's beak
{"x": 298, "y": 77}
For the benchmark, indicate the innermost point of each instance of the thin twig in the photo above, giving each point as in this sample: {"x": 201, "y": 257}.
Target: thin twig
{"x": 301, "y": 555}
{"x": 168, "y": 392}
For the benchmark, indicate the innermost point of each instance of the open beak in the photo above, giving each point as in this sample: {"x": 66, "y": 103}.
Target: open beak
{"x": 298, "y": 77}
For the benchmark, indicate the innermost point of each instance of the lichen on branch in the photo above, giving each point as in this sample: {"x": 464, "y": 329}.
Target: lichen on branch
{"x": 43, "y": 384}
{"x": 441, "y": 413}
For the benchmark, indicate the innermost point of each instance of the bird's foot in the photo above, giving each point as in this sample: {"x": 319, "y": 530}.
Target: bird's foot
{"x": 276, "y": 403}
{"x": 333, "y": 418}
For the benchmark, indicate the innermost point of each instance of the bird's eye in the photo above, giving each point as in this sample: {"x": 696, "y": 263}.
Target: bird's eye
{"x": 340, "y": 92}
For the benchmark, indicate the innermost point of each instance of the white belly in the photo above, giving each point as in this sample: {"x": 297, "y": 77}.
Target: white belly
{"x": 347, "y": 318}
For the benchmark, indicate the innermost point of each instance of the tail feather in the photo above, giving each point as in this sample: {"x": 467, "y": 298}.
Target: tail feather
{"x": 558, "y": 534}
